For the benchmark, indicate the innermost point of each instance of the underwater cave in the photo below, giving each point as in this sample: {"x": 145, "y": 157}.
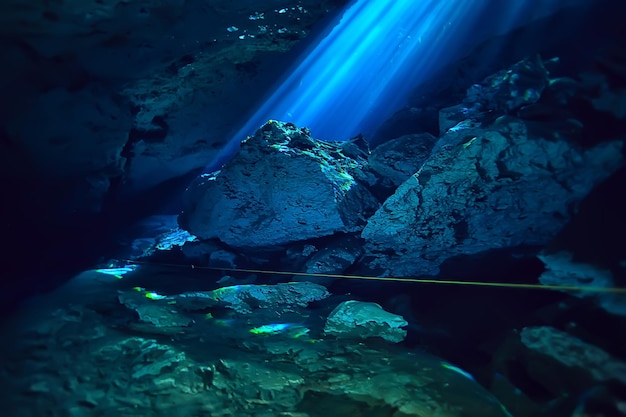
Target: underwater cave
{"x": 346, "y": 208}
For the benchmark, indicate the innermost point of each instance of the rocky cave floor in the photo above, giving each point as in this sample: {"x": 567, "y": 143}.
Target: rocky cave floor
{"x": 104, "y": 345}
{"x": 149, "y": 338}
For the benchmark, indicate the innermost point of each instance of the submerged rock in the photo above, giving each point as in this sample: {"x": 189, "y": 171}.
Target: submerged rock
{"x": 151, "y": 311}
{"x": 562, "y": 270}
{"x": 64, "y": 359}
{"x": 210, "y": 253}
{"x": 333, "y": 258}
{"x": 396, "y": 160}
{"x": 501, "y": 93}
{"x": 149, "y": 358}
{"x": 361, "y": 320}
{"x": 283, "y": 186}
{"x": 244, "y": 298}
{"x": 485, "y": 189}
{"x": 560, "y": 362}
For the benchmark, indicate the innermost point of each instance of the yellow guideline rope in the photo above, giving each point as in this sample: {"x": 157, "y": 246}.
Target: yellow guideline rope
{"x": 613, "y": 290}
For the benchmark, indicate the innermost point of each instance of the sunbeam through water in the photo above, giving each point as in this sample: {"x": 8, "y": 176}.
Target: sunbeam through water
{"x": 362, "y": 70}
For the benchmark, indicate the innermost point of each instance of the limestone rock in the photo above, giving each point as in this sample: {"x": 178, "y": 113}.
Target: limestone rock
{"x": 356, "y": 319}
{"x": 396, "y": 160}
{"x": 333, "y": 258}
{"x": 558, "y": 361}
{"x": 210, "y": 253}
{"x": 283, "y": 186}
{"x": 502, "y": 93}
{"x": 96, "y": 92}
{"x": 485, "y": 190}
{"x": 153, "y": 311}
{"x": 457, "y": 115}
{"x": 244, "y": 298}
{"x": 254, "y": 380}
{"x": 230, "y": 366}
{"x": 562, "y": 270}
{"x": 510, "y": 89}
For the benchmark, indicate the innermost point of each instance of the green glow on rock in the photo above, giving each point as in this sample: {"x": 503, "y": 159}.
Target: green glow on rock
{"x": 300, "y": 332}
{"x": 469, "y": 142}
{"x": 294, "y": 331}
{"x": 270, "y": 328}
{"x": 222, "y": 293}
{"x": 151, "y": 295}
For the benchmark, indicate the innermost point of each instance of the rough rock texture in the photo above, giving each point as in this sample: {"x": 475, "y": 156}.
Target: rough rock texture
{"x": 141, "y": 91}
{"x": 155, "y": 235}
{"x": 245, "y": 298}
{"x": 360, "y": 320}
{"x": 562, "y": 270}
{"x": 209, "y": 253}
{"x": 485, "y": 189}
{"x": 334, "y": 257}
{"x": 508, "y": 90}
{"x": 396, "y": 160}
{"x": 71, "y": 361}
{"x": 560, "y": 362}
{"x": 157, "y": 314}
{"x": 502, "y": 93}
{"x": 282, "y": 186}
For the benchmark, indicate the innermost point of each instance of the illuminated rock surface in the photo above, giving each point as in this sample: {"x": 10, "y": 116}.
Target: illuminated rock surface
{"x": 484, "y": 186}
{"x": 485, "y": 194}
{"x": 281, "y": 187}
{"x": 244, "y": 299}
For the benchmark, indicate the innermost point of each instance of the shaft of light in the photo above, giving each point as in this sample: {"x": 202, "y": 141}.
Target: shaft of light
{"x": 354, "y": 77}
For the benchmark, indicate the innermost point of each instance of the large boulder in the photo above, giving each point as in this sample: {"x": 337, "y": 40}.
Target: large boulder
{"x": 283, "y": 186}
{"x": 485, "y": 188}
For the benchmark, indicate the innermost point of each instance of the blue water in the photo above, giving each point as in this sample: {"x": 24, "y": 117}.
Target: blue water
{"x": 358, "y": 73}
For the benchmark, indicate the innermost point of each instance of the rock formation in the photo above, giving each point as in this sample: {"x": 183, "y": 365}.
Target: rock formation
{"x": 282, "y": 186}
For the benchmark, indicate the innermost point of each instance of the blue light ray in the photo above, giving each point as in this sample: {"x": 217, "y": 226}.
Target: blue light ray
{"x": 364, "y": 68}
